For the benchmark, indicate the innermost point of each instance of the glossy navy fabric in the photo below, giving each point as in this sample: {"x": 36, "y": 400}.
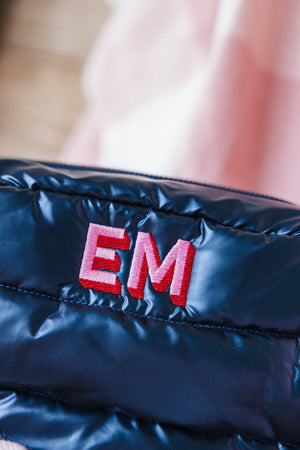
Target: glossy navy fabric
{"x": 84, "y": 369}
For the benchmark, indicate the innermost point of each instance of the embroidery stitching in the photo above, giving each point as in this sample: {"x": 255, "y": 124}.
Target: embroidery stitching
{"x": 97, "y": 256}
{"x": 174, "y": 270}
{"x": 100, "y": 262}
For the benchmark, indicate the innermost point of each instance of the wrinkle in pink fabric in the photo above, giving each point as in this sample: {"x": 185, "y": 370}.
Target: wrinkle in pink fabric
{"x": 208, "y": 91}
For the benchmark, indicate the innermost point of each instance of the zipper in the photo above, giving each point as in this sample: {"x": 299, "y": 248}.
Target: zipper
{"x": 57, "y": 165}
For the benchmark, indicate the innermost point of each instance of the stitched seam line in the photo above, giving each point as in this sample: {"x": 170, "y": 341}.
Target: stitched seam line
{"x": 293, "y": 233}
{"x": 170, "y": 212}
{"x": 207, "y": 326}
{"x": 75, "y": 167}
{"x": 75, "y": 404}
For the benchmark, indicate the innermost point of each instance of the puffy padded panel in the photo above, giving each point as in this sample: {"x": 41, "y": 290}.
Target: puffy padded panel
{"x": 87, "y": 369}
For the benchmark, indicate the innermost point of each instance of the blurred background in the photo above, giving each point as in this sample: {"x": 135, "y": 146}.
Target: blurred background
{"x": 43, "y": 45}
{"x": 207, "y": 91}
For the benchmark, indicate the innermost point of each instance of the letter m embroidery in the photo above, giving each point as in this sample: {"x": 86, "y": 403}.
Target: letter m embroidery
{"x": 173, "y": 272}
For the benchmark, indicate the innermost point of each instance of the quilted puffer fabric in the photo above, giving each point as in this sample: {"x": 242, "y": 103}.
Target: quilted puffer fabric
{"x": 86, "y": 369}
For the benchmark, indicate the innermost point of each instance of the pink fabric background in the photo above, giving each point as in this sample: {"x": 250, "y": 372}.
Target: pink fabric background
{"x": 203, "y": 90}
{"x": 5, "y": 445}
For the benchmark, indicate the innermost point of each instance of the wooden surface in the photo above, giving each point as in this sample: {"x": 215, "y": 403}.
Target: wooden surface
{"x": 43, "y": 44}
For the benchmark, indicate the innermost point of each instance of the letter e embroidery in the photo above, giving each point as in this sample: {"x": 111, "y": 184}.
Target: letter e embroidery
{"x": 98, "y": 254}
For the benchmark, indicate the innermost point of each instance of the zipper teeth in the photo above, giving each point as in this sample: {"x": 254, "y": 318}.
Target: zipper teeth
{"x": 158, "y": 177}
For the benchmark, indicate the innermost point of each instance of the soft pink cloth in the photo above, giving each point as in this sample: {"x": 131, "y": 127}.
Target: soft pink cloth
{"x": 5, "y": 445}
{"x": 206, "y": 90}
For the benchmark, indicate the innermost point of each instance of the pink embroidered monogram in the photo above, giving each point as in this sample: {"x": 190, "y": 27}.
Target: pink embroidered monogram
{"x": 97, "y": 256}
{"x": 174, "y": 271}
{"x": 100, "y": 261}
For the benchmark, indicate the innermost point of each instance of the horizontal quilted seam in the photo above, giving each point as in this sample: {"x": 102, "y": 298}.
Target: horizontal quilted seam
{"x": 34, "y": 188}
{"x": 169, "y": 212}
{"x": 206, "y": 326}
{"x": 74, "y": 167}
{"x": 79, "y": 406}
{"x": 50, "y": 212}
